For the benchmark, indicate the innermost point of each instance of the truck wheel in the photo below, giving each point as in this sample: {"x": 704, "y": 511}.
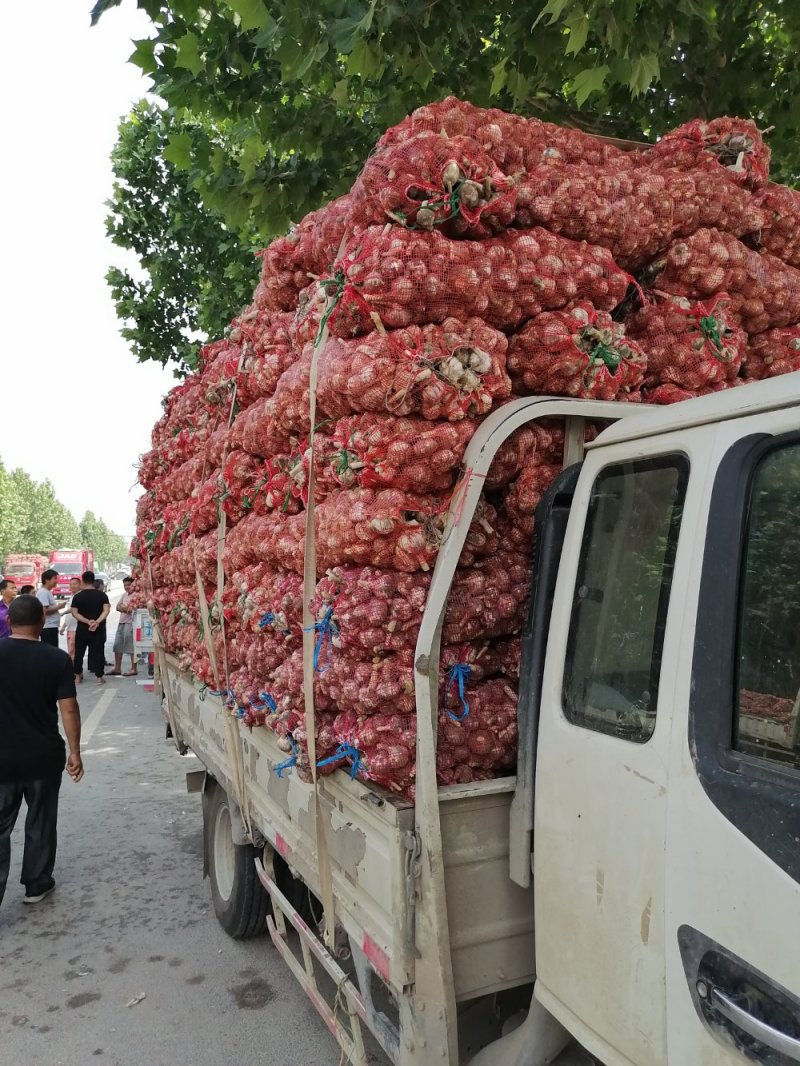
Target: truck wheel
{"x": 240, "y": 903}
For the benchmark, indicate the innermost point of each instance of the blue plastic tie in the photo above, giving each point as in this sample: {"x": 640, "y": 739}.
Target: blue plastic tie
{"x": 459, "y": 673}
{"x": 266, "y": 620}
{"x": 264, "y": 700}
{"x": 287, "y": 764}
{"x": 344, "y": 751}
{"x": 325, "y": 628}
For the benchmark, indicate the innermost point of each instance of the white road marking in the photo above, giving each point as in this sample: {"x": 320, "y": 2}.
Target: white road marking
{"x": 93, "y": 721}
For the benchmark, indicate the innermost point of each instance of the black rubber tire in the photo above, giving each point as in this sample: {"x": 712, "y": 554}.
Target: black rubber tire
{"x": 242, "y": 908}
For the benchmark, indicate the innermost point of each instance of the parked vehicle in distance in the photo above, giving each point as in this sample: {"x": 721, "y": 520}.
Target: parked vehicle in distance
{"x": 121, "y": 572}
{"x": 70, "y": 562}
{"x": 101, "y": 575}
{"x": 25, "y": 568}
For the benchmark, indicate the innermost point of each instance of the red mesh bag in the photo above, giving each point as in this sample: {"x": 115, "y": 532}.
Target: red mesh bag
{"x": 689, "y": 344}
{"x": 219, "y": 375}
{"x": 579, "y": 352}
{"x": 274, "y": 603}
{"x": 410, "y": 277}
{"x": 523, "y": 496}
{"x": 763, "y": 291}
{"x": 634, "y": 213}
{"x": 536, "y": 442}
{"x": 266, "y": 352}
{"x": 451, "y": 371}
{"x": 218, "y": 443}
{"x": 180, "y": 482}
{"x": 204, "y": 505}
{"x": 364, "y": 609}
{"x": 307, "y": 251}
{"x": 276, "y": 539}
{"x": 780, "y": 234}
{"x": 776, "y": 351}
{"x": 258, "y": 430}
{"x": 513, "y": 142}
{"x": 734, "y": 144}
{"x": 393, "y": 529}
{"x": 433, "y": 180}
{"x": 670, "y": 393}
{"x": 476, "y": 745}
{"x": 291, "y": 399}
{"x": 384, "y": 451}
{"x": 488, "y": 600}
{"x": 244, "y": 485}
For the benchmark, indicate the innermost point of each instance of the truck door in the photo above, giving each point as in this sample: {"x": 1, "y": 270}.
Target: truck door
{"x": 600, "y": 811}
{"x": 733, "y": 836}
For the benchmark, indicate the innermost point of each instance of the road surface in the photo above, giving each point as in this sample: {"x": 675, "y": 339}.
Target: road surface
{"x": 131, "y": 915}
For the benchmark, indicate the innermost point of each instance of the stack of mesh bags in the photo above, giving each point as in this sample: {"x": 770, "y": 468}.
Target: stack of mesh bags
{"x": 478, "y": 256}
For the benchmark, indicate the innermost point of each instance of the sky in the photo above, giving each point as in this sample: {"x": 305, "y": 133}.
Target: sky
{"x": 77, "y": 407}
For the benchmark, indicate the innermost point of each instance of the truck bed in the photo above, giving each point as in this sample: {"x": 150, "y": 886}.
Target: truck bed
{"x": 371, "y": 840}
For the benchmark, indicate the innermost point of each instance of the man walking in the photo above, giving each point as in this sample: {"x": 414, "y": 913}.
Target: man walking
{"x": 123, "y": 639}
{"x": 36, "y": 677}
{"x": 8, "y": 591}
{"x": 90, "y": 609}
{"x": 52, "y": 608}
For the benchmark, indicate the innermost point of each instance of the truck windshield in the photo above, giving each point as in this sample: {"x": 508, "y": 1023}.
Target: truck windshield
{"x": 619, "y": 610}
{"x": 66, "y": 568}
{"x": 19, "y": 568}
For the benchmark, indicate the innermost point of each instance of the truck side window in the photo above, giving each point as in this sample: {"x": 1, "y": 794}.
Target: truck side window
{"x": 619, "y": 610}
{"x": 767, "y": 720}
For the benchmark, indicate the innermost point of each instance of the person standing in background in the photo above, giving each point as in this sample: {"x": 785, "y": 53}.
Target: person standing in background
{"x": 8, "y": 591}
{"x": 37, "y": 683}
{"x": 68, "y": 624}
{"x": 90, "y": 608}
{"x": 123, "y": 640}
{"x": 27, "y": 590}
{"x": 52, "y": 607}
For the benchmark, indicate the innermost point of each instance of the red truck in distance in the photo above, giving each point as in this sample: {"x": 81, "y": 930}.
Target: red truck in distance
{"x": 70, "y": 562}
{"x": 25, "y": 568}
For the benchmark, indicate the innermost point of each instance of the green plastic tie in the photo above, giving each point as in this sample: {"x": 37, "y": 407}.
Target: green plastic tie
{"x": 710, "y": 329}
{"x": 339, "y": 280}
{"x": 610, "y": 356}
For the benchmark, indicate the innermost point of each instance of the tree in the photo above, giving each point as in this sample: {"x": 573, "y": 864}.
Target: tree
{"x": 272, "y": 108}
{"x": 108, "y": 547}
{"x": 196, "y": 271}
{"x": 302, "y": 92}
{"x": 12, "y": 516}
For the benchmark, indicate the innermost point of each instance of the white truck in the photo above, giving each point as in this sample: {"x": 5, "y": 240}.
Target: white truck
{"x": 632, "y": 896}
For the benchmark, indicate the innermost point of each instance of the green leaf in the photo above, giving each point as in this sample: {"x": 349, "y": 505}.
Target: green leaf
{"x": 587, "y": 82}
{"x": 100, "y": 9}
{"x": 143, "y": 56}
{"x": 340, "y": 93}
{"x": 178, "y": 150}
{"x": 499, "y": 77}
{"x": 553, "y": 8}
{"x": 252, "y": 13}
{"x": 578, "y": 26}
{"x": 645, "y": 71}
{"x": 188, "y": 53}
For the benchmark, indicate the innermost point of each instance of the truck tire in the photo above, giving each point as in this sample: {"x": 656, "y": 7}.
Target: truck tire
{"x": 240, "y": 902}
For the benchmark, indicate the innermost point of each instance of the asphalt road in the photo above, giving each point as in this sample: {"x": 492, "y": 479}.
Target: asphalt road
{"x": 132, "y": 916}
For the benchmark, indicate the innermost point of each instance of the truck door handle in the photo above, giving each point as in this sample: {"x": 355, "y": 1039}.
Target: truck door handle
{"x": 754, "y": 1027}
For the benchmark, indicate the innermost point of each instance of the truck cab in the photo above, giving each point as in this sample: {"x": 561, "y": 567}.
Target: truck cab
{"x": 658, "y": 799}
{"x": 70, "y": 563}
{"x": 636, "y": 884}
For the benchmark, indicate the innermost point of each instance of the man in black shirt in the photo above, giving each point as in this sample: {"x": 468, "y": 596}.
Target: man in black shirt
{"x": 90, "y": 609}
{"x": 36, "y": 677}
